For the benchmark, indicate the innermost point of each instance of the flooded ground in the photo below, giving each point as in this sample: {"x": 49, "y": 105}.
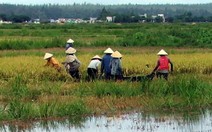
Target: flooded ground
{"x": 130, "y": 122}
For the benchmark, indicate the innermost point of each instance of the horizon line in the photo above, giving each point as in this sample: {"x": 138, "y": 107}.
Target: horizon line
{"x": 85, "y": 3}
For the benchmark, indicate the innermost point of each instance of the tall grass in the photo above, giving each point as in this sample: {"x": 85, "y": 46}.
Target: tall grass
{"x": 179, "y": 92}
{"x": 183, "y": 91}
{"x": 20, "y": 110}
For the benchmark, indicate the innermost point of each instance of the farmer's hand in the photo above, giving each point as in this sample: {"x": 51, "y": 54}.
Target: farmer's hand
{"x": 153, "y": 72}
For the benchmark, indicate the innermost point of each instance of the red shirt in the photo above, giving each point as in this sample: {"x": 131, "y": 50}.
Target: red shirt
{"x": 163, "y": 63}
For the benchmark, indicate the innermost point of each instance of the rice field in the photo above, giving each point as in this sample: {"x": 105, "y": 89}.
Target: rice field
{"x": 28, "y": 90}
{"x": 29, "y": 63}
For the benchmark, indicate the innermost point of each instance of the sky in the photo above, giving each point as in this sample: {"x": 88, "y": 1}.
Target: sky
{"x": 104, "y": 2}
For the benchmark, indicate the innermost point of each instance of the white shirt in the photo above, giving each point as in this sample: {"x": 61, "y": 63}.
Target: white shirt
{"x": 94, "y": 64}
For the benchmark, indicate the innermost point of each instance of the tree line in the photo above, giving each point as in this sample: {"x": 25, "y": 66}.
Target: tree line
{"x": 124, "y": 13}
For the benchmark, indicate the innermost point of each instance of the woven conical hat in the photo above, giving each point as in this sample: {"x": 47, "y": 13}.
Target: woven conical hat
{"x": 70, "y": 51}
{"x": 70, "y": 41}
{"x": 162, "y": 52}
{"x": 47, "y": 55}
{"x": 108, "y": 51}
{"x": 96, "y": 57}
{"x": 116, "y": 54}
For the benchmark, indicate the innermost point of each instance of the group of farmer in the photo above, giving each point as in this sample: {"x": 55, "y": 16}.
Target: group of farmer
{"x": 111, "y": 67}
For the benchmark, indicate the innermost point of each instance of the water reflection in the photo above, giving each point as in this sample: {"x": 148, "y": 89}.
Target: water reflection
{"x": 131, "y": 122}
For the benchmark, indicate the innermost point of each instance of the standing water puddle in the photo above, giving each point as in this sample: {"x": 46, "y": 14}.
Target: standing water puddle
{"x": 132, "y": 122}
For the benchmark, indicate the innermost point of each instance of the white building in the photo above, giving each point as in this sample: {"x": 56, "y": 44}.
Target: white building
{"x": 109, "y": 19}
{"x": 162, "y": 16}
{"x": 144, "y": 15}
{"x": 92, "y": 19}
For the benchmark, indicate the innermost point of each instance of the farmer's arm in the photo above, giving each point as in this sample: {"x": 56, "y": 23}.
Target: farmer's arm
{"x": 171, "y": 65}
{"x": 156, "y": 67}
{"x": 48, "y": 63}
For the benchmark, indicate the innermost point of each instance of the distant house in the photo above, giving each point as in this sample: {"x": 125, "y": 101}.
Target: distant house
{"x": 61, "y": 20}
{"x": 5, "y": 22}
{"x": 162, "y": 16}
{"x": 52, "y": 20}
{"x": 92, "y": 19}
{"x": 143, "y": 15}
{"x": 109, "y": 18}
{"x": 153, "y": 18}
{"x": 36, "y": 21}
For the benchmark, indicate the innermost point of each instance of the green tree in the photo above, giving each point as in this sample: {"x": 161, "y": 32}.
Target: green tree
{"x": 104, "y": 13}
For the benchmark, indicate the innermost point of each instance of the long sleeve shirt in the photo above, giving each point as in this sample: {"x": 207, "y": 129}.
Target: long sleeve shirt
{"x": 54, "y": 63}
{"x": 72, "y": 63}
{"x": 116, "y": 67}
{"x": 105, "y": 66}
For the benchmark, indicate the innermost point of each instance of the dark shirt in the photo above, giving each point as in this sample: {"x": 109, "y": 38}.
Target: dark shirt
{"x": 68, "y": 45}
{"x": 105, "y": 66}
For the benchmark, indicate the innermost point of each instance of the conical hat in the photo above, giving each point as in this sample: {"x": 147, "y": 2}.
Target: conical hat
{"x": 116, "y": 54}
{"x": 162, "y": 52}
{"x": 47, "y": 55}
{"x": 71, "y": 50}
{"x": 70, "y": 41}
{"x": 96, "y": 57}
{"x": 108, "y": 51}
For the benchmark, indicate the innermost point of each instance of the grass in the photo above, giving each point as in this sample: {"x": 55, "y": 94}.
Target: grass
{"x": 180, "y": 92}
{"x": 20, "y": 36}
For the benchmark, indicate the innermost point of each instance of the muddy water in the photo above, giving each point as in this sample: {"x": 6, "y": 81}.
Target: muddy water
{"x": 131, "y": 122}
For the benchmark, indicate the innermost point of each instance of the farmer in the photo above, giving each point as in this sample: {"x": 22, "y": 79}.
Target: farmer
{"x": 116, "y": 66}
{"x": 162, "y": 67}
{"x": 105, "y": 66}
{"x": 69, "y": 43}
{"x": 93, "y": 67}
{"x": 72, "y": 64}
{"x": 51, "y": 61}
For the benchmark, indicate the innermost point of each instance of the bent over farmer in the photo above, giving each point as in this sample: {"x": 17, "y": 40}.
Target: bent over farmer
{"x": 51, "y": 61}
{"x": 93, "y": 68}
{"x": 72, "y": 64}
{"x": 116, "y": 66}
{"x": 105, "y": 66}
{"x": 162, "y": 67}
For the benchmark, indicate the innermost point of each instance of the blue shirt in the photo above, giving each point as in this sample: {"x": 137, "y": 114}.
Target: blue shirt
{"x": 68, "y": 45}
{"x": 105, "y": 66}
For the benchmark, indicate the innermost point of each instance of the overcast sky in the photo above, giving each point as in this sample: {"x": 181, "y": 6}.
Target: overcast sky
{"x": 105, "y": 2}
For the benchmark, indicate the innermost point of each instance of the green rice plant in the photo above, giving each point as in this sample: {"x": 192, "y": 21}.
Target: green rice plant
{"x": 72, "y": 109}
{"x": 181, "y": 91}
{"x": 3, "y": 114}
{"x": 18, "y": 88}
{"x": 20, "y": 110}
{"x": 47, "y": 109}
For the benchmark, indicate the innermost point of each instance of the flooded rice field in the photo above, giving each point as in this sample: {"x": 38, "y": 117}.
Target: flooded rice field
{"x": 130, "y": 122}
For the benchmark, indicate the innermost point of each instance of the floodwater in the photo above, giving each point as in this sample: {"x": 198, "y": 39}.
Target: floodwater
{"x": 130, "y": 122}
